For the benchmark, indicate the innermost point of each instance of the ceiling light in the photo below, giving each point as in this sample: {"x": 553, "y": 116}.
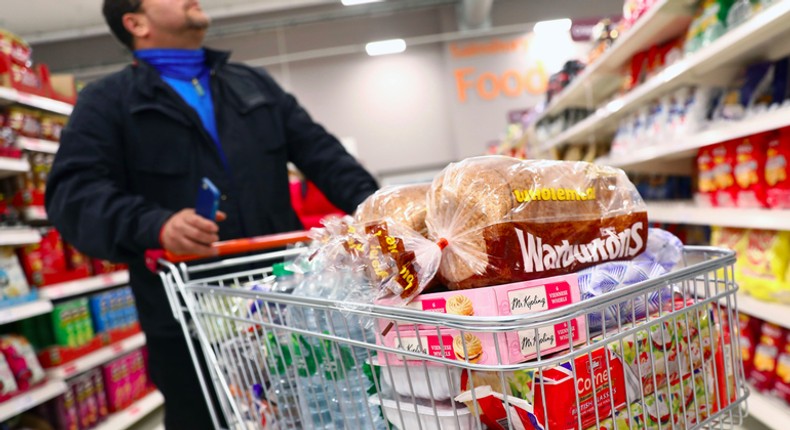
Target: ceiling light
{"x": 384, "y": 47}
{"x": 356, "y": 2}
{"x": 553, "y": 27}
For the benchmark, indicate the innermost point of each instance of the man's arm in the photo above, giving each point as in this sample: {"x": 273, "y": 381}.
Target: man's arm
{"x": 87, "y": 198}
{"x": 321, "y": 156}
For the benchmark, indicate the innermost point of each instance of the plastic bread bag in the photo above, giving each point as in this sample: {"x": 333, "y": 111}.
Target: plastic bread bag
{"x": 662, "y": 253}
{"x": 404, "y": 204}
{"x": 493, "y": 220}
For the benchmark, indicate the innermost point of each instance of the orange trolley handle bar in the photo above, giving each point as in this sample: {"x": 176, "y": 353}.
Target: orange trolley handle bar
{"x": 228, "y": 247}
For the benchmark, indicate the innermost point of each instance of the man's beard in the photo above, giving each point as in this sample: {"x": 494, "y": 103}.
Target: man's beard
{"x": 198, "y": 24}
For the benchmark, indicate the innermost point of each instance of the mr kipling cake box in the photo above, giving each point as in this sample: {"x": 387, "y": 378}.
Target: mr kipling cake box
{"x": 518, "y": 298}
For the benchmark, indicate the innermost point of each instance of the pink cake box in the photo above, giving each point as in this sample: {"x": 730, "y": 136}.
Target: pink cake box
{"x": 518, "y": 298}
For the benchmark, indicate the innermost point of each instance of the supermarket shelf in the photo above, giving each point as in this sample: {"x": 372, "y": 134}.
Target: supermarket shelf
{"x": 82, "y": 286}
{"x": 686, "y": 147}
{"x": 770, "y": 411}
{"x": 13, "y": 166}
{"x": 21, "y": 403}
{"x": 687, "y": 212}
{"x": 97, "y": 358}
{"x": 37, "y": 145}
{"x": 19, "y": 236}
{"x": 776, "y": 313}
{"x": 750, "y": 41}
{"x": 23, "y": 311}
{"x": 130, "y": 416}
{"x": 11, "y": 95}
{"x": 35, "y": 214}
{"x": 665, "y": 20}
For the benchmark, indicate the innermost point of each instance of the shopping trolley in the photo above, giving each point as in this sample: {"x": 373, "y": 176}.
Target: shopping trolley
{"x": 661, "y": 353}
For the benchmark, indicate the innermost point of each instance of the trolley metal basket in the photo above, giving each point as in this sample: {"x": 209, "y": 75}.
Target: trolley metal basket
{"x": 285, "y": 360}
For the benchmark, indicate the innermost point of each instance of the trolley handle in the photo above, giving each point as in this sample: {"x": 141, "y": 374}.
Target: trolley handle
{"x": 228, "y": 247}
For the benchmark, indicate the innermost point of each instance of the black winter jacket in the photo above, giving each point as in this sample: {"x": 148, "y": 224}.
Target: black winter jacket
{"x": 133, "y": 153}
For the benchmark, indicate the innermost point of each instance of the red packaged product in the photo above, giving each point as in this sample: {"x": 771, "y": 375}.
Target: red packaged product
{"x": 765, "y": 354}
{"x": 64, "y": 411}
{"x": 749, "y": 330}
{"x": 706, "y": 181}
{"x": 782, "y": 381}
{"x": 749, "y": 170}
{"x": 77, "y": 261}
{"x": 101, "y": 395}
{"x": 723, "y": 163}
{"x": 45, "y": 261}
{"x": 776, "y": 171}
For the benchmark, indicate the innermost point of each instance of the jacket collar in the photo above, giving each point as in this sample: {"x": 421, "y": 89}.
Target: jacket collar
{"x": 148, "y": 79}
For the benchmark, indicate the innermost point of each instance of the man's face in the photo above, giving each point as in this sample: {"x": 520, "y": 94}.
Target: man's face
{"x": 174, "y": 16}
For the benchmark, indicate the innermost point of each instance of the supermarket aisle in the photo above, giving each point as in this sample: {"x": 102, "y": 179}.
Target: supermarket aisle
{"x": 155, "y": 420}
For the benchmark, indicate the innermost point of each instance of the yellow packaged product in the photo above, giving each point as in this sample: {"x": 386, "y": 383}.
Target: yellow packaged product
{"x": 765, "y": 265}
{"x": 734, "y": 239}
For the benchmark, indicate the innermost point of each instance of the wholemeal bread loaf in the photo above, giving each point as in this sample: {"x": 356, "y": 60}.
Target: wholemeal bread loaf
{"x": 508, "y": 220}
{"x": 404, "y": 204}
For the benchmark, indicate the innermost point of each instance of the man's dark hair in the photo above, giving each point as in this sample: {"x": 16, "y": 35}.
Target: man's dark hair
{"x": 113, "y": 11}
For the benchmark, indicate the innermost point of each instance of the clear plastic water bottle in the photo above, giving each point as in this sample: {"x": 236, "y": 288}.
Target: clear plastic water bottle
{"x": 336, "y": 395}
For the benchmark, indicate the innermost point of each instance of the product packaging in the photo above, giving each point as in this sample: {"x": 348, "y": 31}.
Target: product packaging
{"x": 764, "y": 265}
{"x": 749, "y": 330}
{"x": 749, "y": 170}
{"x": 406, "y": 414}
{"x": 8, "y": 386}
{"x": 772, "y": 340}
{"x": 776, "y": 171}
{"x": 781, "y": 387}
{"x": 495, "y": 220}
{"x": 707, "y": 185}
{"x": 518, "y": 298}
{"x": 723, "y": 163}
{"x": 667, "y": 364}
{"x": 22, "y": 361}
{"x": 403, "y": 204}
{"x": 13, "y": 284}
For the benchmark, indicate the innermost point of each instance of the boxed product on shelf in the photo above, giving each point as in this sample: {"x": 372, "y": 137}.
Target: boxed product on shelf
{"x": 52, "y": 126}
{"x": 100, "y": 392}
{"x": 749, "y": 170}
{"x": 125, "y": 380}
{"x": 13, "y": 284}
{"x": 710, "y": 23}
{"x": 62, "y": 412}
{"x": 72, "y": 323}
{"x": 771, "y": 342}
{"x": 113, "y": 309}
{"x": 22, "y": 361}
{"x": 87, "y": 406}
{"x": 8, "y": 135}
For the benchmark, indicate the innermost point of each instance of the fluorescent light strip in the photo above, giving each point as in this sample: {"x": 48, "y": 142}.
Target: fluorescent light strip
{"x": 385, "y": 47}
{"x": 356, "y": 2}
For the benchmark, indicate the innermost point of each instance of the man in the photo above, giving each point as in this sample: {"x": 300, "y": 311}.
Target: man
{"x": 137, "y": 145}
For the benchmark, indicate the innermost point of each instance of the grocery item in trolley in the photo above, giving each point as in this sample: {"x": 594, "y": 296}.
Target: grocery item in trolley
{"x": 407, "y": 414}
{"x": 404, "y": 204}
{"x": 518, "y": 298}
{"x": 494, "y": 220}
{"x": 663, "y": 252}
{"x": 424, "y": 382}
{"x": 668, "y": 364}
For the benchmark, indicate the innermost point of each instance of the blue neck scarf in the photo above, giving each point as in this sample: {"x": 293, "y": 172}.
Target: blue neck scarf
{"x": 187, "y": 72}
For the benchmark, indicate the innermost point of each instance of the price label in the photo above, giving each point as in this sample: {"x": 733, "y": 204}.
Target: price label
{"x": 134, "y": 411}
{"x": 117, "y": 348}
{"x": 70, "y": 369}
{"x": 107, "y": 279}
{"x": 26, "y": 401}
{"x": 24, "y": 98}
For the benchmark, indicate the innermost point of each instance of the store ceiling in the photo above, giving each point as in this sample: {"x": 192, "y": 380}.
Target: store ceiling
{"x": 52, "y": 20}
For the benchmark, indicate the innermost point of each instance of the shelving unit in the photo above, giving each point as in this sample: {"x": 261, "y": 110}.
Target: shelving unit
{"x": 10, "y": 96}
{"x": 37, "y": 145}
{"x": 84, "y": 286}
{"x": 130, "y": 416}
{"x": 24, "y": 311}
{"x": 776, "y": 313}
{"x": 31, "y": 399}
{"x": 13, "y": 166}
{"x": 769, "y": 411}
{"x": 97, "y": 358}
{"x": 666, "y": 20}
{"x": 19, "y": 236}
{"x": 750, "y": 41}
{"x": 644, "y": 159}
{"x": 687, "y": 212}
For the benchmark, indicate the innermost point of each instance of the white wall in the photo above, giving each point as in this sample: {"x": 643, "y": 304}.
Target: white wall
{"x": 393, "y": 106}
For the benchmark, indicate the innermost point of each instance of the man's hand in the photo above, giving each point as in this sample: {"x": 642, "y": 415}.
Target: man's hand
{"x": 189, "y": 233}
